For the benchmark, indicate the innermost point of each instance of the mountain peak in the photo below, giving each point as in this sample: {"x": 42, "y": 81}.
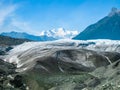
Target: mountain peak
{"x": 106, "y": 28}
{"x": 60, "y": 33}
{"x": 114, "y": 11}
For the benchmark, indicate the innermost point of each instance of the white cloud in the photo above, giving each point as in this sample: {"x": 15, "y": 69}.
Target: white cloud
{"x": 21, "y": 26}
{"x": 10, "y": 21}
{"x": 6, "y": 11}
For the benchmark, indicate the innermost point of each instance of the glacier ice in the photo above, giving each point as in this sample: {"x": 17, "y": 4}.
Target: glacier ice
{"x": 27, "y": 54}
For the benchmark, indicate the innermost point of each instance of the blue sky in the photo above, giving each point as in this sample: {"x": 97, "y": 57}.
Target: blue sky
{"x": 34, "y": 16}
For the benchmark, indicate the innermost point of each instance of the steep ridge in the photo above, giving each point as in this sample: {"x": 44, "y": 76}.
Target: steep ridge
{"x": 106, "y": 28}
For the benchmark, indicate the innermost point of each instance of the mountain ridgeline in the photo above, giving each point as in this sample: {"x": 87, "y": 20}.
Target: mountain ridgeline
{"x": 106, "y": 28}
{"x": 49, "y": 35}
{"x": 27, "y": 36}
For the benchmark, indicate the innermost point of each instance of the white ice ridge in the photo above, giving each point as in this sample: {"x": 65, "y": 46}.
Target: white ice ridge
{"x": 29, "y": 51}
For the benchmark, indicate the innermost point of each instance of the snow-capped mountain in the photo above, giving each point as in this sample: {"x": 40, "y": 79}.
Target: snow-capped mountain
{"x": 59, "y": 33}
{"x": 50, "y": 35}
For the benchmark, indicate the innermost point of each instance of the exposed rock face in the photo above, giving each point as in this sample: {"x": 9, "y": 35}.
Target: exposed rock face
{"x": 9, "y": 79}
{"x": 18, "y": 82}
{"x": 6, "y": 68}
{"x": 5, "y": 49}
{"x": 114, "y": 11}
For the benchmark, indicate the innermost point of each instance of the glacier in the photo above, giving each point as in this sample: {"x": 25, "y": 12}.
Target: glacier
{"x": 64, "y": 54}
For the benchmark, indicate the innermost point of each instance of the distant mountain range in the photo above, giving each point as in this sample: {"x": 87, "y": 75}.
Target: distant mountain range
{"x": 106, "y": 28}
{"x": 50, "y": 35}
{"x": 27, "y": 36}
